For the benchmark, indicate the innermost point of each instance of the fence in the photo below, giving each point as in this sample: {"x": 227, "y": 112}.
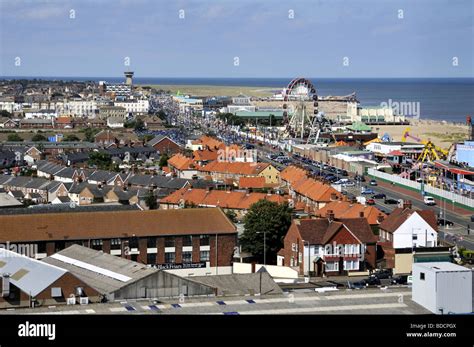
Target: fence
{"x": 436, "y": 192}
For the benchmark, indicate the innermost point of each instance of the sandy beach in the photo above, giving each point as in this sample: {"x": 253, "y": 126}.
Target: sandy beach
{"x": 441, "y": 133}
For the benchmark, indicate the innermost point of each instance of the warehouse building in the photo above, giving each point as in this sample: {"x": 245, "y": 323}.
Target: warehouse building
{"x": 28, "y": 282}
{"x": 184, "y": 241}
{"x": 442, "y": 287}
{"x": 120, "y": 279}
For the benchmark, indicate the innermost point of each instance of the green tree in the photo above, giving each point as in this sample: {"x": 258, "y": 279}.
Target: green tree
{"x": 5, "y": 113}
{"x": 89, "y": 134}
{"x": 163, "y": 160}
{"x": 71, "y": 138}
{"x": 150, "y": 201}
{"x": 139, "y": 125}
{"x": 38, "y": 138}
{"x": 100, "y": 160}
{"x": 162, "y": 114}
{"x": 272, "y": 218}
{"x": 14, "y": 138}
{"x": 231, "y": 215}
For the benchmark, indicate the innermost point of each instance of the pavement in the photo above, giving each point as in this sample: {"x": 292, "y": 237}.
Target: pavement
{"x": 363, "y": 301}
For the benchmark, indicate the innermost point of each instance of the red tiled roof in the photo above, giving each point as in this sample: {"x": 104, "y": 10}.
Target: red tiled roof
{"x": 252, "y": 182}
{"x": 345, "y": 209}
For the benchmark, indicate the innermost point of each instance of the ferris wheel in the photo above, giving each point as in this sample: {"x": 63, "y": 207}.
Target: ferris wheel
{"x": 297, "y": 118}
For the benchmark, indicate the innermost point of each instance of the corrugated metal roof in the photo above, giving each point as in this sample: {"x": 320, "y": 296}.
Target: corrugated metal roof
{"x": 30, "y": 275}
{"x": 98, "y": 266}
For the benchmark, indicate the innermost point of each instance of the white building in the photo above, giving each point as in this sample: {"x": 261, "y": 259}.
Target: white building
{"x": 10, "y": 106}
{"x": 387, "y": 147}
{"x": 442, "y": 287}
{"x": 136, "y": 107}
{"x": 408, "y": 228}
{"x": 79, "y": 108}
{"x": 40, "y": 114}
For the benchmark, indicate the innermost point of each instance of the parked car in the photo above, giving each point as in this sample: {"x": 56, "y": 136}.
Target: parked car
{"x": 372, "y": 281}
{"x": 445, "y": 222}
{"x": 370, "y": 201}
{"x": 379, "y": 196}
{"x": 344, "y": 173}
{"x": 373, "y": 182}
{"x": 390, "y": 201}
{"x": 403, "y": 279}
{"x": 349, "y": 184}
{"x": 429, "y": 200}
{"x": 382, "y": 274}
{"x": 356, "y": 285}
{"x": 366, "y": 190}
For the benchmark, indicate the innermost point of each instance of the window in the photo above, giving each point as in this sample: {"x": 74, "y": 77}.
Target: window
{"x": 59, "y": 246}
{"x": 169, "y": 241}
{"x": 422, "y": 276}
{"x": 415, "y": 237}
{"x": 133, "y": 242}
{"x": 293, "y": 247}
{"x": 151, "y": 242}
{"x": 41, "y": 247}
{"x": 187, "y": 241}
{"x": 151, "y": 258}
{"x": 351, "y": 265}
{"x": 332, "y": 266}
{"x": 96, "y": 244}
{"x": 187, "y": 257}
{"x": 204, "y": 240}
{"x": 115, "y": 244}
{"x": 204, "y": 255}
{"x": 169, "y": 257}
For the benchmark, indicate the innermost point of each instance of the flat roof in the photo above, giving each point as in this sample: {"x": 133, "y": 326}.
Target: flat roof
{"x": 442, "y": 267}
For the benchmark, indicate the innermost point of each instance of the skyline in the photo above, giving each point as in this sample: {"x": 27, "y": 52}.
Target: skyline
{"x": 205, "y": 43}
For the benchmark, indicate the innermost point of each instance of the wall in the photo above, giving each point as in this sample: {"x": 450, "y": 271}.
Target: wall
{"x": 403, "y": 263}
{"x": 454, "y": 292}
{"x": 414, "y": 225}
{"x": 424, "y": 291}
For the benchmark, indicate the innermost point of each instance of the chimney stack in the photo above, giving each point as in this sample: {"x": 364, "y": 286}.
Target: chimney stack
{"x": 361, "y": 214}
{"x": 406, "y": 204}
{"x": 380, "y": 218}
{"x": 330, "y": 215}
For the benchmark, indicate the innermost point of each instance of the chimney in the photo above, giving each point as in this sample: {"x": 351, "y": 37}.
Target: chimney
{"x": 361, "y": 214}
{"x": 330, "y": 215}
{"x": 333, "y": 196}
{"x": 380, "y": 218}
{"x": 406, "y": 204}
{"x": 6, "y": 285}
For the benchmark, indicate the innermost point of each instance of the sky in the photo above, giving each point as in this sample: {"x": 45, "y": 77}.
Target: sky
{"x": 237, "y": 38}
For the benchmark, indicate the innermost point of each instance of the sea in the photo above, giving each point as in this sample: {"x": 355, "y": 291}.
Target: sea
{"x": 449, "y": 99}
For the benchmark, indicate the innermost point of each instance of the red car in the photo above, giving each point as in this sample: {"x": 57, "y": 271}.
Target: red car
{"x": 370, "y": 201}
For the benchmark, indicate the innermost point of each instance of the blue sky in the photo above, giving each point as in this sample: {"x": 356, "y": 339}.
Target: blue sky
{"x": 314, "y": 43}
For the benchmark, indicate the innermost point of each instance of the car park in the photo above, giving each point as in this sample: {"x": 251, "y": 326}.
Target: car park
{"x": 373, "y": 182}
{"x": 345, "y": 173}
{"x": 370, "y": 201}
{"x": 402, "y": 279}
{"x": 349, "y": 184}
{"x": 356, "y": 285}
{"x": 366, "y": 190}
{"x": 382, "y": 274}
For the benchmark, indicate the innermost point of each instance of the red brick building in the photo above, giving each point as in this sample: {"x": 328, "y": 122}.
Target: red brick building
{"x": 197, "y": 241}
{"x": 163, "y": 144}
{"x": 330, "y": 246}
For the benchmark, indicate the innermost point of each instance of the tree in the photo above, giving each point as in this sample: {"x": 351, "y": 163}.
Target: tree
{"x": 5, "y": 113}
{"x": 162, "y": 114}
{"x": 100, "y": 160}
{"x": 231, "y": 215}
{"x": 163, "y": 160}
{"x": 38, "y": 138}
{"x": 268, "y": 216}
{"x": 139, "y": 125}
{"x": 71, "y": 138}
{"x": 14, "y": 138}
{"x": 89, "y": 134}
{"x": 150, "y": 201}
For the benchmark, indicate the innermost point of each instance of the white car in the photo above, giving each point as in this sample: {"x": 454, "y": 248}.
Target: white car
{"x": 429, "y": 200}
